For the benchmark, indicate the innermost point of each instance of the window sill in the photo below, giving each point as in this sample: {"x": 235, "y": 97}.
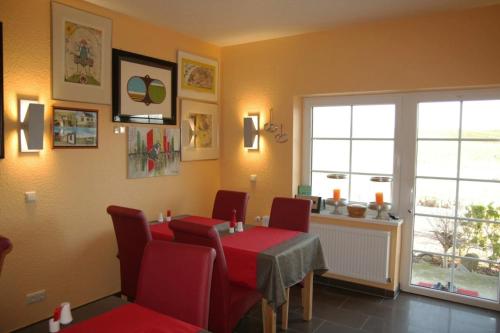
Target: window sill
{"x": 369, "y": 219}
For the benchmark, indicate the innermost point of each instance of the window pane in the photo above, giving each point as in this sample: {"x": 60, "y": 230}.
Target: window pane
{"x": 430, "y": 271}
{"x": 433, "y": 234}
{"x": 373, "y": 121}
{"x": 478, "y": 194}
{"x": 480, "y": 160}
{"x": 331, "y": 122}
{"x": 438, "y": 119}
{"x": 481, "y": 119}
{"x": 476, "y": 278}
{"x": 330, "y": 155}
{"x": 479, "y": 240}
{"x": 363, "y": 190}
{"x": 372, "y": 156}
{"x": 323, "y": 187}
{"x": 437, "y": 158}
{"x": 435, "y": 197}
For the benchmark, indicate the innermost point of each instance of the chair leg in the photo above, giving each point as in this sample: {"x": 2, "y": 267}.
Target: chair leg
{"x": 307, "y": 296}
{"x": 268, "y": 317}
{"x": 284, "y": 310}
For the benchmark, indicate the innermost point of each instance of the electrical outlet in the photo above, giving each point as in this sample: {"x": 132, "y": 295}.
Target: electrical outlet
{"x": 30, "y": 196}
{"x": 35, "y": 297}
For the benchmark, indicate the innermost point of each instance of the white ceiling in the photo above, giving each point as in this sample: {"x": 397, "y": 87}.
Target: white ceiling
{"x": 230, "y": 22}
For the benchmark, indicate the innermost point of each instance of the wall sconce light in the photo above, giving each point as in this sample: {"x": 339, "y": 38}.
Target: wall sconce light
{"x": 31, "y": 125}
{"x": 188, "y": 132}
{"x": 251, "y": 132}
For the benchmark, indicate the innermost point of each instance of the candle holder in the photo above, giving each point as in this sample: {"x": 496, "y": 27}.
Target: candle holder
{"x": 337, "y": 204}
{"x": 380, "y": 209}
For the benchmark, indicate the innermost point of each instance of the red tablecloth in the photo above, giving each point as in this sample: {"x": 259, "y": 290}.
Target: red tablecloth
{"x": 241, "y": 251}
{"x": 132, "y": 318}
{"x": 162, "y": 231}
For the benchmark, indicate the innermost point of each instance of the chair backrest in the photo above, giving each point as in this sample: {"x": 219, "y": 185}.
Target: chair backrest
{"x": 198, "y": 234}
{"x": 5, "y": 247}
{"x": 132, "y": 234}
{"x": 226, "y": 201}
{"x": 290, "y": 213}
{"x": 175, "y": 279}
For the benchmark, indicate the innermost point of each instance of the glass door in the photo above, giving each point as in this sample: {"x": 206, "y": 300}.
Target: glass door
{"x": 455, "y": 208}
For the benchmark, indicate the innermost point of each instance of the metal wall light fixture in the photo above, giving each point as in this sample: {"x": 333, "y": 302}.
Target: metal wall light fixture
{"x": 31, "y": 125}
{"x": 251, "y": 131}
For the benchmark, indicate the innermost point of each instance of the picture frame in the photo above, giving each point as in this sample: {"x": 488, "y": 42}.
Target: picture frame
{"x": 153, "y": 152}
{"x": 74, "y": 128}
{"x": 316, "y": 202}
{"x": 81, "y": 55}
{"x": 198, "y": 77}
{"x": 199, "y": 131}
{"x": 144, "y": 89}
{"x": 2, "y": 147}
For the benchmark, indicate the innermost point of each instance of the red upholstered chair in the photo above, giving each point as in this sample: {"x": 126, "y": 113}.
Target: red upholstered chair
{"x": 291, "y": 214}
{"x": 132, "y": 234}
{"x": 175, "y": 279}
{"x": 226, "y": 201}
{"x": 228, "y": 302}
{"x": 5, "y": 247}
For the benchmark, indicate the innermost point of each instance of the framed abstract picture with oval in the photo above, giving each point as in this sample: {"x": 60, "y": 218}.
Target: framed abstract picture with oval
{"x": 198, "y": 77}
{"x": 81, "y": 55}
{"x": 144, "y": 89}
{"x": 74, "y": 128}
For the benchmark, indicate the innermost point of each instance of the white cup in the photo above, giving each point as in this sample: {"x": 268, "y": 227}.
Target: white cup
{"x": 265, "y": 221}
{"x": 54, "y": 325}
{"x": 66, "y": 316}
{"x": 239, "y": 226}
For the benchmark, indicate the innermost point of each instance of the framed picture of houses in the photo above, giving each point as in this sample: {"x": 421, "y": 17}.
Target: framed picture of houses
{"x": 81, "y": 55}
{"x": 74, "y": 128}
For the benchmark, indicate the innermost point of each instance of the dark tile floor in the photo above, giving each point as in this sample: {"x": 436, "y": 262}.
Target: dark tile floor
{"x": 340, "y": 311}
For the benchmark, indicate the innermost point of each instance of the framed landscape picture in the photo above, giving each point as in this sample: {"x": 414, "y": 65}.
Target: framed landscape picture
{"x": 144, "y": 89}
{"x": 199, "y": 131}
{"x": 198, "y": 77}
{"x": 81, "y": 55}
{"x": 2, "y": 152}
{"x": 74, "y": 128}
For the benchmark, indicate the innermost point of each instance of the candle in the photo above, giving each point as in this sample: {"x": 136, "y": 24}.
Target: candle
{"x": 336, "y": 194}
{"x": 379, "y": 198}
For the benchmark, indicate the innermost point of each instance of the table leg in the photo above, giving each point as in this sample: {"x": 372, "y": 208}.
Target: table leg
{"x": 307, "y": 296}
{"x": 284, "y": 310}
{"x": 268, "y": 317}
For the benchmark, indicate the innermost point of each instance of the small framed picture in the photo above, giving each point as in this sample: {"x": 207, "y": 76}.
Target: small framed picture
{"x": 316, "y": 202}
{"x": 74, "y": 128}
{"x": 198, "y": 77}
{"x": 144, "y": 89}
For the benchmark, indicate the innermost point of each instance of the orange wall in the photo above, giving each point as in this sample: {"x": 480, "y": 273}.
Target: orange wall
{"x": 65, "y": 243}
{"x": 452, "y": 49}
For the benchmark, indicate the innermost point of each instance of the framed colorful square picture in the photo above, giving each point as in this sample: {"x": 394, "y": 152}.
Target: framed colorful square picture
{"x": 198, "y": 77}
{"x": 199, "y": 131}
{"x": 74, "y": 128}
{"x": 81, "y": 55}
{"x": 144, "y": 89}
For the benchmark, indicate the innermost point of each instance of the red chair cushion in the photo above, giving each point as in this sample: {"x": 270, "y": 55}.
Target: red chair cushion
{"x": 226, "y": 201}
{"x": 175, "y": 279}
{"x": 132, "y": 234}
{"x": 226, "y": 309}
{"x": 290, "y": 213}
{"x": 5, "y": 247}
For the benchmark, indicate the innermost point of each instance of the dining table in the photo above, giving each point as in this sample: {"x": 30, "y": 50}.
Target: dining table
{"x": 270, "y": 260}
{"x": 133, "y": 318}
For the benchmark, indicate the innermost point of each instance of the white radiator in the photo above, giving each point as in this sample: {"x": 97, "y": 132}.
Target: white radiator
{"x": 353, "y": 252}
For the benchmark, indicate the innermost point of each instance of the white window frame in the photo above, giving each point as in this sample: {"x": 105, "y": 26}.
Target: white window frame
{"x": 311, "y": 102}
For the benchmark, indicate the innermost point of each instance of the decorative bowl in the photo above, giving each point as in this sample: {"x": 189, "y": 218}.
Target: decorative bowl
{"x": 356, "y": 210}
